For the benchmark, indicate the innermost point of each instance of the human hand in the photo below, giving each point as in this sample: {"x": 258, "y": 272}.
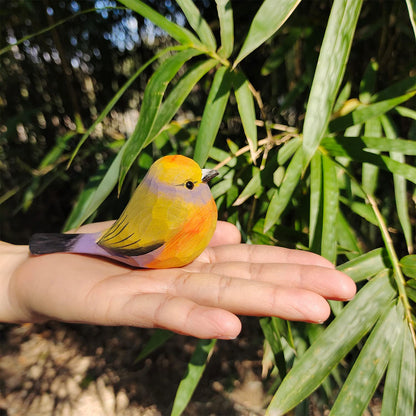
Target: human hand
{"x": 200, "y": 299}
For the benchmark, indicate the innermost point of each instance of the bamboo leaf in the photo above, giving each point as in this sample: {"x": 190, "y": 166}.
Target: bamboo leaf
{"x": 370, "y": 172}
{"x": 315, "y": 212}
{"x": 329, "y": 72}
{"x": 158, "y": 339}
{"x": 107, "y": 183}
{"x": 366, "y": 112}
{"x": 268, "y": 19}
{"x": 354, "y": 149}
{"x": 281, "y": 198}
{"x": 245, "y": 105}
{"x": 152, "y": 99}
{"x": 347, "y": 238}
{"x": 340, "y": 145}
{"x": 399, "y": 387}
{"x": 114, "y": 100}
{"x": 213, "y": 113}
{"x": 225, "y": 14}
{"x": 400, "y": 191}
{"x": 272, "y": 334}
{"x": 177, "y": 32}
{"x": 411, "y": 7}
{"x": 408, "y": 265}
{"x": 342, "y": 334}
{"x": 330, "y": 209}
{"x": 253, "y": 186}
{"x": 370, "y": 365}
{"x": 196, "y": 367}
{"x": 178, "y": 95}
{"x": 198, "y": 23}
{"x": 367, "y": 265}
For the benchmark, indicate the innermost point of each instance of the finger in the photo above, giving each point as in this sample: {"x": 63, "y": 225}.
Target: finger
{"x": 248, "y": 297}
{"x": 262, "y": 254}
{"x": 329, "y": 283}
{"x": 175, "y": 314}
{"x": 240, "y": 296}
{"x": 225, "y": 233}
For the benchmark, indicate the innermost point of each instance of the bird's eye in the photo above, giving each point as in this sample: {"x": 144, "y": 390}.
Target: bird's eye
{"x": 189, "y": 185}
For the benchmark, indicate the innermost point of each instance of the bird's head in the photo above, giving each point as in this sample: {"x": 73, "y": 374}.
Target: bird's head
{"x": 180, "y": 171}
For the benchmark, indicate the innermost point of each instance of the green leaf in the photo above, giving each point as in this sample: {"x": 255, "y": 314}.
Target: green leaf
{"x": 198, "y": 23}
{"x": 367, "y": 265}
{"x": 354, "y": 148}
{"x": 85, "y": 205}
{"x": 342, "y": 334}
{"x": 268, "y": 19}
{"x": 347, "y": 238}
{"x": 245, "y": 105}
{"x": 213, "y": 113}
{"x": 178, "y": 33}
{"x": 399, "y": 387}
{"x": 152, "y": 99}
{"x": 158, "y": 339}
{"x": 329, "y": 72}
{"x": 402, "y": 87}
{"x": 94, "y": 200}
{"x": 287, "y": 150}
{"x": 408, "y": 265}
{"x": 330, "y": 209}
{"x": 114, "y": 100}
{"x": 272, "y": 334}
{"x": 281, "y": 199}
{"x": 411, "y": 7}
{"x": 225, "y": 14}
{"x": 344, "y": 145}
{"x": 370, "y": 172}
{"x": 253, "y": 186}
{"x": 366, "y": 112}
{"x": 400, "y": 188}
{"x": 193, "y": 374}
{"x": 370, "y": 365}
{"x": 315, "y": 211}
{"x": 178, "y": 95}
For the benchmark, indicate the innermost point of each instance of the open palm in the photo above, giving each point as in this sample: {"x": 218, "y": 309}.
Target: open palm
{"x": 201, "y": 299}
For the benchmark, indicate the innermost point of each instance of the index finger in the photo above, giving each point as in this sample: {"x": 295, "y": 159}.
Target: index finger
{"x": 262, "y": 254}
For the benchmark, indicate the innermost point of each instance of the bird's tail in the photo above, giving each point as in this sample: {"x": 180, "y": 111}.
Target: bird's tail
{"x": 46, "y": 243}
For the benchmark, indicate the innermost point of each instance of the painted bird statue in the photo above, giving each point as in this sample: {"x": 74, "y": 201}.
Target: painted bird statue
{"x": 168, "y": 222}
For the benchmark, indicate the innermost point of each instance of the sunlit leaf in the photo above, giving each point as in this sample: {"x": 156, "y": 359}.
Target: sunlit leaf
{"x": 329, "y": 72}
{"x": 369, "y": 367}
{"x": 152, "y": 99}
{"x": 213, "y": 113}
{"x": 196, "y": 367}
{"x": 225, "y": 15}
{"x": 367, "y": 265}
{"x": 355, "y": 320}
{"x": 198, "y": 23}
{"x": 282, "y": 198}
{"x": 408, "y": 265}
{"x": 245, "y": 105}
{"x": 270, "y": 16}
{"x": 179, "y": 33}
{"x": 399, "y": 387}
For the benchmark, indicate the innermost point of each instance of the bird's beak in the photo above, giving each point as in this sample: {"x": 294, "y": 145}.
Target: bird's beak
{"x": 208, "y": 174}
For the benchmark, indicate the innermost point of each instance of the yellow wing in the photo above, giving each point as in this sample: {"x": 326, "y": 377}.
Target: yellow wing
{"x": 147, "y": 223}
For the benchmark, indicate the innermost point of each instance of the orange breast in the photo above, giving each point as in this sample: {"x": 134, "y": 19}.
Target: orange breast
{"x": 191, "y": 241}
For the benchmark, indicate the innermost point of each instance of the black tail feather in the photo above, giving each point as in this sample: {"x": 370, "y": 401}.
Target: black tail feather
{"x": 46, "y": 243}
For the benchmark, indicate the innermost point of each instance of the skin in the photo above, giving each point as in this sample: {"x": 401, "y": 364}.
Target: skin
{"x": 201, "y": 299}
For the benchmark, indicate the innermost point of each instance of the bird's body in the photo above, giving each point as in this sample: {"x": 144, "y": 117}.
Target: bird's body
{"x": 168, "y": 222}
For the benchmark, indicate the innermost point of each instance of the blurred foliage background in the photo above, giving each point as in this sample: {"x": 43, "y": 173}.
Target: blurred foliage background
{"x": 313, "y": 154}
